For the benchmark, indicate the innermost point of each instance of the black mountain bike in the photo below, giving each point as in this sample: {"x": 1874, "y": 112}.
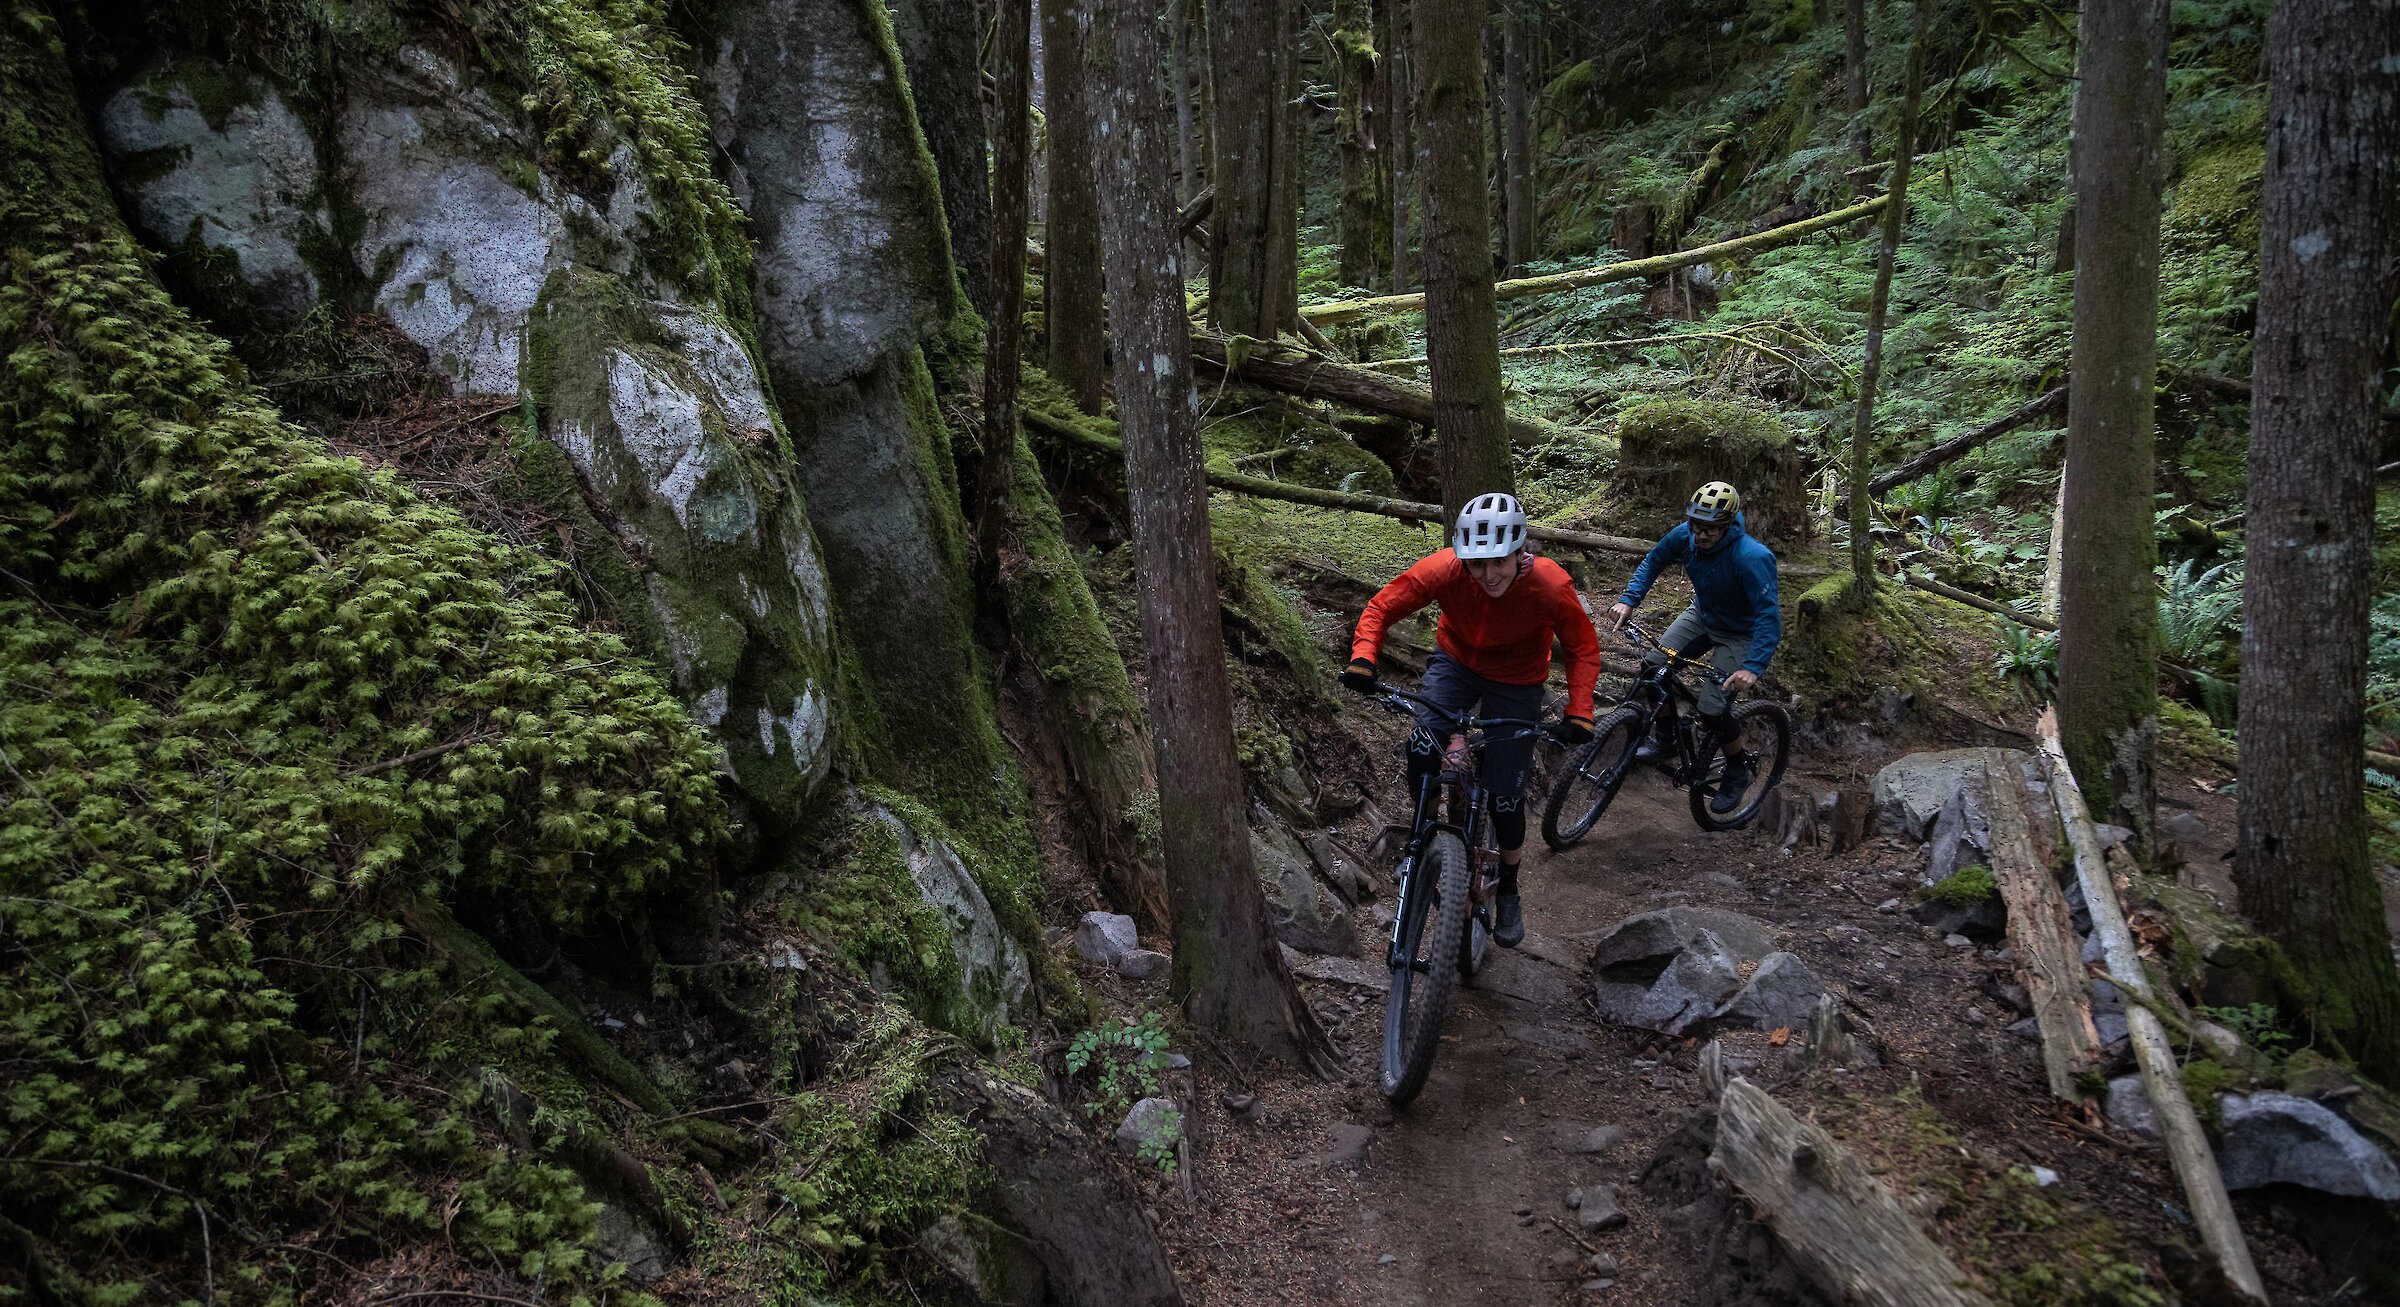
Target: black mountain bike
{"x": 1442, "y": 924}
{"x": 1659, "y": 700}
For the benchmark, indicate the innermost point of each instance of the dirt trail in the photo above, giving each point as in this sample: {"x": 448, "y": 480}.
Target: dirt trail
{"x": 1461, "y": 1197}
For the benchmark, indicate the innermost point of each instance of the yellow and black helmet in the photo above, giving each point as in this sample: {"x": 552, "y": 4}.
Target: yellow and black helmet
{"x": 1713, "y": 503}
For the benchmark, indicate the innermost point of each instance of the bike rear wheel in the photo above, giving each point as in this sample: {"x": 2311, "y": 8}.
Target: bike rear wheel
{"x": 1593, "y": 773}
{"x": 1419, "y": 999}
{"x": 1767, "y": 729}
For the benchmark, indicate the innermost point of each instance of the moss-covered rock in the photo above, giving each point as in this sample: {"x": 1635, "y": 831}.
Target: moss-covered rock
{"x": 1668, "y": 449}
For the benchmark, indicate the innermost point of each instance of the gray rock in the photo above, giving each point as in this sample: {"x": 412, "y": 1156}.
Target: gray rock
{"x": 1601, "y": 1209}
{"x": 1962, "y": 831}
{"x": 1604, "y": 1264}
{"x": 1888, "y": 907}
{"x": 1602, "y": 1138}
{"x": 1348, "y": 878}
{"x": 1691, "y": 990}
{"x": 620, "y": 1236}
{"x": 1362, "y": 972}
{"x": 1153, "y": 1121}
{"x": 994, "y": 977}
{"x": 2111, "y": 1027}
{"x": 1106, "y": 937}
{"x": 2027, "y": 1029}
{"x": 1958, "y": 941}
{"x": 1986, "y": 918}
{"x": 2276, "y": 1138}
{"x": 1783, "y": 992}
{"x": 248, "y": 189}
{"x": 1643, "y": 944}
{"x": 1909, "y": 793}
{"x": 1142, "y": 964}
{"x": 2129, "y": 1107}
{"x": 2184, "y": 829}
{"x": 1061, "y": 1200}
{"x": 1349, "y": 1148}
{"x": 1305, "y": 914}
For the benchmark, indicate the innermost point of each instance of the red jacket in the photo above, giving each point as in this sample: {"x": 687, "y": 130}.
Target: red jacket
{"x": 1505, "y": 639}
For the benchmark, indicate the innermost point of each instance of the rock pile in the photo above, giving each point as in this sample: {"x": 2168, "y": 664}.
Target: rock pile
{"x": 1683, "y": 970}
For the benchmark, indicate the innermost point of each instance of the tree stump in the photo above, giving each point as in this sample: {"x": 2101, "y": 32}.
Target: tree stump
{"x": 1669, "y": 449}
{"x": 1846, "y": 828}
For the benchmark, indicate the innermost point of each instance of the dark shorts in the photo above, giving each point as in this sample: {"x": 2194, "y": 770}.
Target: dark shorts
{"x": 1451, "y": 685}
{"x": 1726, "y": 652}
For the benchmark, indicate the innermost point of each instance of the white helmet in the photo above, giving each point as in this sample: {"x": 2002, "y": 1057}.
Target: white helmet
{"x": 1490, "y": 526}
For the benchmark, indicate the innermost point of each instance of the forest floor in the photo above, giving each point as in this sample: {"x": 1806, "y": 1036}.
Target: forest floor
{"x": 1323, "y": 1194}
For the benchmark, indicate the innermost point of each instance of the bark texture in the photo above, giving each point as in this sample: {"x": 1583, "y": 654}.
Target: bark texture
{"x": 1519, "y": 42}
{"x": 1229, "y": 972}
{"x": 1854, "y": 77}
{"x": 1862, "y": 430}
{"x": 1072, "y": 316}
{"x": 1248, "y": 262}
{"x": 1365, "y": 217}
{"x": 2108, "y": 605}
{"x": 2325, "y": 284}
{"x": 938, "y": 45}
{"x": 1012, "y": 56}
{"x": 1399, "y": 98}
{"x": 1462, "y": 329}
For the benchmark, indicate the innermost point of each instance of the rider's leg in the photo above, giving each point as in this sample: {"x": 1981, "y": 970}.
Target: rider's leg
{"x": 1504, "y": 766}
{"x": 1450, "y": 685}
{"x": 1716, "y": 712}
{"x": 1686, "y": 634}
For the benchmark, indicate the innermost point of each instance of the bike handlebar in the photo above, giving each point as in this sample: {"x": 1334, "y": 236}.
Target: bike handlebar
{"x": 1676, "y": 658}
{"x": 1397, "y": 700}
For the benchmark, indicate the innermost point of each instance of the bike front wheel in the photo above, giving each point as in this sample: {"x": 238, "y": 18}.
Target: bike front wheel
{"x": 1430, "y": 940}
{"x": 1766, "y": 728}
{"x": 1593, "y": 773}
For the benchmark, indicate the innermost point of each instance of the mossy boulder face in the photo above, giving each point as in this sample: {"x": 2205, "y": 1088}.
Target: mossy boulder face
{"x": 661, "y": 416}
{"x": 1669, "y": 449}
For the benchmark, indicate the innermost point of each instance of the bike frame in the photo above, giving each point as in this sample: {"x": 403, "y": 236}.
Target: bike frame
{"x": 1464, "y": 814}
{"x": 1659, "y": 689}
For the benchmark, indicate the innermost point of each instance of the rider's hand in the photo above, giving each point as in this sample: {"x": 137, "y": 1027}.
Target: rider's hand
{"x": 1740, "y": 681}
{"x": 1574, "y": 731}
{"x": 1617, "y": 616}
{"x": 1360, "y": 675}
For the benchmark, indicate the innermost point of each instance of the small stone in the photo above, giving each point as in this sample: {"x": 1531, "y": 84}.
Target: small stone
{"x": 1241, "y": 1105}
{"x": 1105, "y": 937}
{"x": 1349, "y": 1146}
{"x": 1958, "y": 941}
{"x": 1600, "y": 1209}
{"x": 1595, "y": 1286}
{"x": 1177, "y": 1062}
{"x": 1890, "y": 952}
{"x": 2044, "y": 1176}
{"x": 1386, "y": 1260}
{"x": 1888, "y": 907}
{"x": 1975, "y": 1016}
{"x": 1574, "y": 1198}
{"x": 1153, "y": 1120}
{"x": 1602, "y": 1138}
{"x": 1142, "y": 964}
{"x": 1604, "y": 1264}
{"x": 1524, "y": 1211}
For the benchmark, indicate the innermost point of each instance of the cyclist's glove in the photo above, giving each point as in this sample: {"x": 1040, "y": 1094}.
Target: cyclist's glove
{"x": 1360, "y": 675}
{"x": 1573, "y": 731}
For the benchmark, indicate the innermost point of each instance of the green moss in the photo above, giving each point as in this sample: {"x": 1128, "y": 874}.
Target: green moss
{"x": 1964, "y": 888}
{"x": 1264, "y": 619}
{"x": 2216, "y": 202}
{"x": 1668, "y": 448}
{"x": 270, "y": 702}
{"x": 2188, "y": 741}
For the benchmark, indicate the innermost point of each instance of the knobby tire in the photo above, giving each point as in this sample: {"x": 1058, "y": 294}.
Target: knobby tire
{"x": 1418, "y": 1001}
{"x": 1768, "y": 728}
{"x": 1590, "y": 780}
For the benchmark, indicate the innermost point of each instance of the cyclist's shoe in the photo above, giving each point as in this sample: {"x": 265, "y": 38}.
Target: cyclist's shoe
{"x": 1653, "y": 748}
{"x": 1508, "y": 926}
{"x": 1740, "y": 770}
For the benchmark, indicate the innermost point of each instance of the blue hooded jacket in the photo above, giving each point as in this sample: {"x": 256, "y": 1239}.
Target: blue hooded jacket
{"x": 1733, "y": 586}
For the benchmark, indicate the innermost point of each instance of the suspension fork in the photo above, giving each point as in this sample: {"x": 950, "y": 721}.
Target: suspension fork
{"x": 1428, "y": 794}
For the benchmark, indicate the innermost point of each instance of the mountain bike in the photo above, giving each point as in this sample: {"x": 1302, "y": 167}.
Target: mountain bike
{"x": 1442, "y": 924}
{"x": 1659, "y": 701}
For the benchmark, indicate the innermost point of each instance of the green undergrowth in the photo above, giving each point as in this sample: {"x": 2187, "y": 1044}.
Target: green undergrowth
{"x": 1964, "y": 888}
{"x": 263, "y": 704}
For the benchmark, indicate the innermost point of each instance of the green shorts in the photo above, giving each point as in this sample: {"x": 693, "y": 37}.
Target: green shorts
{"x": 1726, "y": 651}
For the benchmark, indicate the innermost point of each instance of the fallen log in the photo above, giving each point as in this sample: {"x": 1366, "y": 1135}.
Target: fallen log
{"x": 2053, "y": 400}
{"x": 2041, "y": 936}
{"x": 1081, "y": 434}
{"x": 1629, "y": 270}
{"x": 1840, "y": 1225}
{"x": 1311, "y": 377}
{"x": 2187, "y": 1146}
{"x": 1973, "y": 600}
{"x": 1196, "y": 212}
{"x": 1578, "y": 346}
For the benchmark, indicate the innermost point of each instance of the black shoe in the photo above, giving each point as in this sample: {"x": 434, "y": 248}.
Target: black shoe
{"x": 1508, "y": 928}
{"x": 1653, "y": 748}
{"x": 1740, "y": 770}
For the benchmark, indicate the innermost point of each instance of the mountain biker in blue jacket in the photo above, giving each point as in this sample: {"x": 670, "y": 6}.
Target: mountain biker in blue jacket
{"x": 1734, "y": 617}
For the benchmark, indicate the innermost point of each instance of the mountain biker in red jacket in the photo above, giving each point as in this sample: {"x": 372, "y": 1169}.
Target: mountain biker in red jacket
{"x": 1500, "y": 608}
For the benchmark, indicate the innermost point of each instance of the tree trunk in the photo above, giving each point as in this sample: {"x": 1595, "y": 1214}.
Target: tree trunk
{"x": 2108, "y": 598}
{"x": 1519, "y": 40}
{"x": 1229, "y": 970}
{"x": 1072, "y": 316}
{"x": 1365, "y": 217}
{"x": 938, "y": 47}
{"x": 1462, "y": 329}
{"x": 1399, "y": 98}
{"x": 1249, "y": 66}
{"x": 1854, "y": 79}
{"x": 1187, "y": 141}
{"x": 1012, "y": 52}
{"x": 1289, "y": 164}
{"x": 1862, "y": 430}
{"x": 2325, "y": 283}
